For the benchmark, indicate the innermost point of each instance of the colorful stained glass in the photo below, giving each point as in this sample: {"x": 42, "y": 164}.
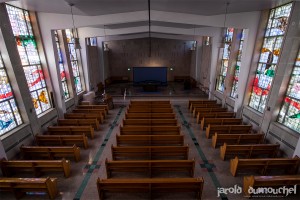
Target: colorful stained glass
{"x": 27, "y": 48}
{"x": 225, "y": 57}
{"x": 289, "y": 114}
{"x": 238, "y": 66}
{"x": 62, "y": 71}
{"x": 270, "y": 52}
{"x": 74, "y": 60}
{"x": 9, "y": 112}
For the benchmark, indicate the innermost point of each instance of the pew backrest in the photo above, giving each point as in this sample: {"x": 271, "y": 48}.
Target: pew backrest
{"x": 150, "y": 140}
{"x": 150, "y": 116}
{"x": 214, "y": 115}
{"x": 62, "y": 140}
{"x": 97, "y": 116}
{"x": 79, "y": 122}
{"x": 227, "y": 129}
{"x": 71, "y": 130}
{"x": 220, "y": 121}
{"x": 219, "y": 139}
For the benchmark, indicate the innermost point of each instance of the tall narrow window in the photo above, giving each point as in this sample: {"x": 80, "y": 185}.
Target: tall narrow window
{"x": 9, "y": 112}
{"x": 276, "y": 28}
{"x": 289, "y": 114}
{"x": 237, "y": 67}
{"x": 61, "y": 68}
{"x": 27, "y": 47}
{"x": 225, "y": 58}
{"x": 74, "y": 60}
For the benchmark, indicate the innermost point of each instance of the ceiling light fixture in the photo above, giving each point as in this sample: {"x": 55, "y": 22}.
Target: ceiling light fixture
{"x": 105, "y": 48}
{"x": 224, "y": 26}
{"x": 75, "y": 34}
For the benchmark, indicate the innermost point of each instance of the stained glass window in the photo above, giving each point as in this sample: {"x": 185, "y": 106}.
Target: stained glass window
{"x": 275, "y": 30}
{"x": 27, "y": 47}
{"x": 238, "y": 66}
{"x": 289, "y": 114}
{"x": 74, "y": 60}
{"x": 225, "y": 58}
{"x": 61, "y": 68}
{"x": 9, "y": 112}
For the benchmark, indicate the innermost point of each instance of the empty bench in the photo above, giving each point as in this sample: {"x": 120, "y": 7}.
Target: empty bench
{"x": 227, "y": 129}
{"x": 100, "y": 111}
{"x": 220, "y": 139}
{"x": 220, "y": 121}
{"x": 50, "y": 152}
{"x": 36, "y": 166}
{"x": 134, "y": 106}
{"x": 149, "y": 185}
{"x": 150, "y": 110}
{"x": 210, "y": 105}
{"x": 19, "y": 186}
{"x": 150, "y": 140}
{"x": 214, "y": 115}
{"x": 207, "y": 110}
{"x": 79, "y": 122}
{"x": 150, "y": 166}
{"x": 150, "y": 152}
{"x": 97, "y": 116}
{"x": 203, "y": 101}
{"x": 150, "y": 130}
{"x": 62, "y": 140}
{"x": 71, "y": 130}
{"x": 150, "y": 122}
{"x": 248, "y": 151}
{"x": 149, "y": 102}
{"x": 290, "y": 165}
{"x": 150, "y": 116}
{"x": 270, "y": 181}
{"x": 105, "y": 107}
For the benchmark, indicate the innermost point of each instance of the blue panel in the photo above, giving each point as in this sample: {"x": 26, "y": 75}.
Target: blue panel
{"x": 150, "y": 74}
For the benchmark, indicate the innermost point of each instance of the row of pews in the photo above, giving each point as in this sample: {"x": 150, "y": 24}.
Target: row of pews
{"x": 51, "y": 151}
{"x": 150, "y": 143}
{"x": 247, "y": 149}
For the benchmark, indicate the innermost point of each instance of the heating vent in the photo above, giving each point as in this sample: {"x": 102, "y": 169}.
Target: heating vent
{"x": 251, "y": 119}
{"x": 281, "y": 140}
{"x": 18, "y": 142}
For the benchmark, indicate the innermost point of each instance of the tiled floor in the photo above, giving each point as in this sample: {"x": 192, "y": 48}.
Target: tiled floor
{"x": 82, "y": 183}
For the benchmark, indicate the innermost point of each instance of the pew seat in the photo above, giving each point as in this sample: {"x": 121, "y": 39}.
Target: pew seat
{"x": 150, "y": 122}
{"x": 79, "y": 122}
{"x": 249, "y": 151}
{"x": 149, "y": 166}
{"x": 150, "y": 140}
{"x": 71, "y": 130}
{"x": 288, "y": 181}
{"x": 201, "y": 101}
{"x": 150, "y": 116}
{"x": 150, "y": 152}
{"x": 290, "y": 165}
{"x": 149, "y": 185}
{"x": 220, "y": 121}
{"x": 97, "y": 116}
{"x": 227, "y": 129}
{"x": 209, "y": 105}
{"x": 62, "y": 140}
{"x": 149, "y": 102}
{"x": 214, "y": 115}
{"x": 105, "y": 107}
{"x": 19, "y": 186}
{"x": 36, "y": 166}
{"x": 150, "y": 110}
{"x": 50, "y": 152}
{"x": 208, "y": 110}
{"x": 99, "y": 111}
{"x": 220, "y": 139}
{"x": 149, "y": 130}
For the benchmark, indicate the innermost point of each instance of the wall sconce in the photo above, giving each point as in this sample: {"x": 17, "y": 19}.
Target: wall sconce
{"x": 207, "y": 41}
{"x": 106, "y": 47}
{"x": 128, "y": 69}
{"x": 171, "y": 69}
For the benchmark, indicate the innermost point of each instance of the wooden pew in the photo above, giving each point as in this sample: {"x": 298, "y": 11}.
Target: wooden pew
{"x": 19, "y": 186}
{"x": 150, "y": 140}
{"x": 227, "y": 129}
{"x": 150, "y": 116}
{"x": 150, "y": 110}
{"x": 150, "y": 122}
{"x": 270, "y": 181}
{"x": 105, "y": 107}
{"x": 149, "y": 102}
{"x": 100, "y": 111}
{"x": 209, "y": 105}
{"x": 97, "y": 116}
{"x": 220, "y": 139}
{"x": 36, "y": 166}
{"x": 149, "y": 166}
{"x": 214, "y": 115}
{"x": 149, "y": 185}
{"x": 290, "y": 165}
{"x": 149, "y": 106}
{"x": 250, "y": 150}
{"x": 79, "y": 122}
{"x": 149, "y": 130}
{"x": 62, "y": 140}
{"x": 220, "y": 121}
{"x": 202, "y": 101}
{"x": 50, "y": 152}
{"x": 150, "y": 153}
{"x": 71, "y": 130}
{"x": 207, "y": 110}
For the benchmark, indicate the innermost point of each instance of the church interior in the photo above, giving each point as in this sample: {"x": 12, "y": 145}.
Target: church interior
{"x": 149, "y": 99}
